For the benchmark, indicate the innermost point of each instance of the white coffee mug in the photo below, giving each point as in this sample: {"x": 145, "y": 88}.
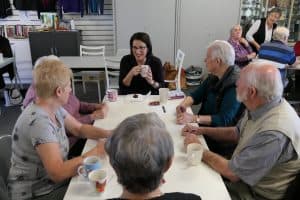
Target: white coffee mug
{"x": 90, "y": 163}
{"x": 98, "y": 179}
{"x": 194, "y": 153}
{"x": 1, "y": 57}
{"x": 112, "y": 95}
{"x": 163, "y": 95}
{"x": 144, "y": 71}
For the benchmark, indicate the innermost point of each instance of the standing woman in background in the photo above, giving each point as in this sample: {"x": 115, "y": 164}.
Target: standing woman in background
{"x": 262, "y": 29}
{"x": 130, "y": 79}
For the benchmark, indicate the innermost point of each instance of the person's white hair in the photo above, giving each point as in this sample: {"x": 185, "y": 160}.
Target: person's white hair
{"x": 44, "y": 58}
{"x": 269, "y": 85}
{"x": 223, "y": 50}
{"x": 281, "y": 33}
{"x": 233, "y": 27}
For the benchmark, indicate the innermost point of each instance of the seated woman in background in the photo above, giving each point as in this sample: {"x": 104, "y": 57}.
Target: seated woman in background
{"x": 140, "y": 175}
{"x": 39, "y": 165}
{"x": 84, "y": 112}
{"x": 242, "y": 49}
{"x": 130, "y": 79}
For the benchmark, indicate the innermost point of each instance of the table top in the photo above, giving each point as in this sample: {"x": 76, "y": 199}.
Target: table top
{"x": 181, "y": 177}
{"x": 87, "y": 62}
{"x": 6, "y": 61}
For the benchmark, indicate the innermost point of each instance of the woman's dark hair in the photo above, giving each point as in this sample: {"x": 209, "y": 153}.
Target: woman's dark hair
{"x": 145, "y": 38}
{"x": 275, "y": 10}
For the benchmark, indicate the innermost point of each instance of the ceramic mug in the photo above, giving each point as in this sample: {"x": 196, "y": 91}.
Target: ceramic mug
{"x": 89, "y": 164}
{"x": 112, "y": 95}
{"x": 98, "y": 179}
{"x": 144, "y": 71}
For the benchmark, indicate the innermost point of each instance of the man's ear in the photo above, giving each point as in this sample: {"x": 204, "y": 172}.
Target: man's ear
{"x": 252, "y": 92}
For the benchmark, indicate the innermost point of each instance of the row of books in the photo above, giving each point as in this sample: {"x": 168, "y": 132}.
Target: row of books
{"x": 16, "y": 31}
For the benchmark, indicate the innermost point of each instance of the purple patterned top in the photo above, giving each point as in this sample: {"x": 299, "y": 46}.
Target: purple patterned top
{"x": 241, "y": 53}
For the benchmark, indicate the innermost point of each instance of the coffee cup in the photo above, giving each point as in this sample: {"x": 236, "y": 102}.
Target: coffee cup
{"x": 112, "y": 94}
{"x": 144, "y": 70}
{"x": 194, "y": 153}
{"x": 163, "y": 95}
{"x": 89, "y": 164}
{"x": 98, "y": 179}
{"x": 1, "y": 57}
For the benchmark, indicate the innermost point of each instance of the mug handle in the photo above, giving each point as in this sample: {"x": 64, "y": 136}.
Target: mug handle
{"x": 81, "y": 171}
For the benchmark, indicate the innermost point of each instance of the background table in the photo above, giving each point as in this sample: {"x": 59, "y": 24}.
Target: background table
{"x": 181, "y": 177}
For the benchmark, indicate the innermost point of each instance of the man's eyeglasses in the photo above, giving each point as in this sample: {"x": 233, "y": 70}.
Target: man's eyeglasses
{"x": 137, "y": 48}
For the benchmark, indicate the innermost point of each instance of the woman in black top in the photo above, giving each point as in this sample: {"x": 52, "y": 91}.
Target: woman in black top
{"x": 130, "y": 79}
{"x": 262, "y": 29}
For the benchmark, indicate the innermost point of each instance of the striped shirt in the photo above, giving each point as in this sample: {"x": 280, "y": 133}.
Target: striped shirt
{"x": 277, "y": 51}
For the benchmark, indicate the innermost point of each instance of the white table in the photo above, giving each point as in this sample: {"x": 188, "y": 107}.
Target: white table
{"x": 201, "y": 179}
{"x": 6, "y": 61}
{"x": 87, "y": 63}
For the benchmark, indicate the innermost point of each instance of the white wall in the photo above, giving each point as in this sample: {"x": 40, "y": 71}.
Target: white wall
{"x": 200, "y": 22}
{"x": 156, "y": 17}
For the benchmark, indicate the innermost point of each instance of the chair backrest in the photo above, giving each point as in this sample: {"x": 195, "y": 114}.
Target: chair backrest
{"x": 297, "y": 48}
{"x": 178, "y": 65}
{"x": 92, "y": 50}
{"x": 5, "y": 155}
{"x": 112, "y": 72}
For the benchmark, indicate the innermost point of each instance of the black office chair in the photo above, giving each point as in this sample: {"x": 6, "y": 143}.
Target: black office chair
{"x": 293, "y": 190}
{"x": 5, "y": 49}
{"x": 5, "y": 155}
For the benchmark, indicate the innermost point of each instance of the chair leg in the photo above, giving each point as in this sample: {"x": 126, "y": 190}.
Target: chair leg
{"x": 99, "y": 90}
{"x": 73, "y": 86}
{"x": 84, "y": 87}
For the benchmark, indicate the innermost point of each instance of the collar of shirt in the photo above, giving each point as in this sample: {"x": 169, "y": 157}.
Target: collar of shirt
{"x": 263, "y": 109}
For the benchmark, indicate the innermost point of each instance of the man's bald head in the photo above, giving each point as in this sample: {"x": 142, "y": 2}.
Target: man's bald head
{"x": 265, "y": 78}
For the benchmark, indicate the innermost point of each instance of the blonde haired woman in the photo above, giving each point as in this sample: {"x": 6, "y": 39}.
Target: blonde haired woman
{"x": 39, "y": 168}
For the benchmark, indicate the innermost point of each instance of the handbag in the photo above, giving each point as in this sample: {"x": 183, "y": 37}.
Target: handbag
{"x": 14, "y": 96}
{"x": 171, "y": 73}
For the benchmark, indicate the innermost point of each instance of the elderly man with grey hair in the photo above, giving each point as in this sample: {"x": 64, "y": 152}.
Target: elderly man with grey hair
{"x": 266, "y": 159}
{"x": 277, "y": 52}
{"x": 217, "y": 95}
{"x": 141, "y": 150}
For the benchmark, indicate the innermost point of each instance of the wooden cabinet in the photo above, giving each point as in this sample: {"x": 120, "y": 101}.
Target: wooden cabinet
{"x": 65, "y": 43}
